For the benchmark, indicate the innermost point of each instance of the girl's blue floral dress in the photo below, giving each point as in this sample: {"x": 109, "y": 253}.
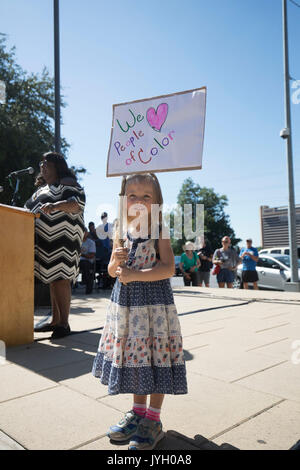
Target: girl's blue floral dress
{"x": 140, "y": 350}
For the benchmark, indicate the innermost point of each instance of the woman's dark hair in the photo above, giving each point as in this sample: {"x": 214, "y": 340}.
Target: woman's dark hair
{"x": 62, "y": 170}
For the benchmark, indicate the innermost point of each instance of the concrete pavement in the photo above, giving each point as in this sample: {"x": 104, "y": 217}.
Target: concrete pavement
{"x": 243, "y": 362}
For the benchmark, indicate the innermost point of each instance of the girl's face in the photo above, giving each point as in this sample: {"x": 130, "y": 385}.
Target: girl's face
{"x": 140, "y": 196}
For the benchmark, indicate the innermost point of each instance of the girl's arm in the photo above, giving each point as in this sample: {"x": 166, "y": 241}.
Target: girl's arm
{"x": 118, "y": 256}
{"x": 164, "y": 269}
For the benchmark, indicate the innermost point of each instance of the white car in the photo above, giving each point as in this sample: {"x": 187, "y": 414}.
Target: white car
{"x": 278, "y": 250}
{"x": 273, "y": 272}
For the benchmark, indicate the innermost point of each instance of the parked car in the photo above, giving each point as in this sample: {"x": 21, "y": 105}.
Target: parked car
{"x": 273, "y": 271}
{"x": 177, "y": 270}
{"x": 278, "y": 250}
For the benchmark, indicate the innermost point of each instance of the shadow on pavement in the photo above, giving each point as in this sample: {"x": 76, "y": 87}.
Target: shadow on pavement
{"x": 79, "y": 310}
{"x": 74, "y": 311}
{"x": 63, "y": 359}
{"x": 187, "y": 355}
{"x": 173, "y": 440}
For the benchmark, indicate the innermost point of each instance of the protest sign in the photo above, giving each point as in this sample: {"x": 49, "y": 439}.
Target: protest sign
{"x": 164, "y": 133}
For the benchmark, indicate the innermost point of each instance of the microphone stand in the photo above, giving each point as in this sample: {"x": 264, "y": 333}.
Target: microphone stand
{"x": 16, "y": 198}
{"x": 16, "y": 174}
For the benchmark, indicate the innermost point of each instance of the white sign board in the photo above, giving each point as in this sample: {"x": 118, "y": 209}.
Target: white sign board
{"x": 164, "y": 133}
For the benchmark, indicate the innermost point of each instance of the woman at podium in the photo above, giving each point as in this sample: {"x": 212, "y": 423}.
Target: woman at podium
{"x": 59, "y": 232}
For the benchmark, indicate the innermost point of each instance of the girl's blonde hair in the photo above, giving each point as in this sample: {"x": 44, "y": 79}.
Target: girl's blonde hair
{"x": 141, "y": 178}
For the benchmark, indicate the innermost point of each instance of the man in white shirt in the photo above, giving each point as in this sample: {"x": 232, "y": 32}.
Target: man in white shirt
{"x": 105, "y": 231}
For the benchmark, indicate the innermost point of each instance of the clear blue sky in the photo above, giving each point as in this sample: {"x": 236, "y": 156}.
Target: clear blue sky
{"x": 113, "y": 52}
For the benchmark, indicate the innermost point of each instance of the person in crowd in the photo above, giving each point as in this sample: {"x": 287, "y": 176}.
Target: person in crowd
{"x": 249, "y": 256}
{"x": 102, "y": 260}
{"x": 87, "y": 261}
{"x": 189, "y": 265}
{"x": 205, "y": 255}
{"x": 60, "y": 201}
{"x": 105, "y": 231}
{"x": 140, "y": 350}
{"x": 92, "y": 232}
{"x": 228, "y": 260}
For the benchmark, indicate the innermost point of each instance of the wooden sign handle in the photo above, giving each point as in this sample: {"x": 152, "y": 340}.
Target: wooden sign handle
{"x": 121, "y": 240}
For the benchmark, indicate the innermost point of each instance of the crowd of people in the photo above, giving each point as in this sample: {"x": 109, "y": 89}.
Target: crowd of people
{"x": 196, "y": 265}
{"x": 95, "y": 255}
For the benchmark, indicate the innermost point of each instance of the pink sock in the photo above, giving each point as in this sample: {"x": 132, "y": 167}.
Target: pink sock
{"x": 140, "y": 409}
{"x": 153, "y": 414}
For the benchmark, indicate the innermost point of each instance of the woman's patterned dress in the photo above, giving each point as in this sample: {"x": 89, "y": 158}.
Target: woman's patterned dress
{"x": 58, "y": 236}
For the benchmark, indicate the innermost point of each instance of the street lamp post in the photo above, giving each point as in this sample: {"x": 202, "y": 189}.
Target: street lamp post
{"x": 286, "y": 133}
{"x": 57, "y": 76}
{"x": 2, "y": 92}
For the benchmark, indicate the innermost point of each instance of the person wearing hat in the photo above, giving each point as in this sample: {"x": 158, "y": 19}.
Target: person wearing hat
{"x": 249, "y": 256}
{"x": 189, "y": 264}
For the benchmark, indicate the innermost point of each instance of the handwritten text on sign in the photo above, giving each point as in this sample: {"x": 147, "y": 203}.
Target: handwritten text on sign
{"x": 158, "y": 134}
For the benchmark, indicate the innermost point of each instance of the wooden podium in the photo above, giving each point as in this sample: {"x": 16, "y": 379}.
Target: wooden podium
{"x": 16, "y": 275}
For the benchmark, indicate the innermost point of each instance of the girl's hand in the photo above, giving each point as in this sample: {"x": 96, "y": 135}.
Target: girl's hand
{"x": 125, "y": 275}
{"x": 120, "y": 254}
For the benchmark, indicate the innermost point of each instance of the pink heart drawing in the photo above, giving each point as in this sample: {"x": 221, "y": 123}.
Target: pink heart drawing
{"x": 157, "y": 118}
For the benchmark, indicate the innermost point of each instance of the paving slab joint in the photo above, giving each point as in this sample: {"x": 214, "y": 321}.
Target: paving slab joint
{"x": 8, "y": 443}
{"x": 243, "y": 421}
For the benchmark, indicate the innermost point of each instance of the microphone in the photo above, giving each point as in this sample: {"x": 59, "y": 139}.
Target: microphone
{"x": 28, "y": 171}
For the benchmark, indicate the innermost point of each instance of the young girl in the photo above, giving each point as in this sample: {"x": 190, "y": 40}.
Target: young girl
{"x": 140, "y": 351}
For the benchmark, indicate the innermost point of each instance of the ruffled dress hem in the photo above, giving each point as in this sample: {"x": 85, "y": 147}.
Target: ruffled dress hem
{"x": 144, "y": 380}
